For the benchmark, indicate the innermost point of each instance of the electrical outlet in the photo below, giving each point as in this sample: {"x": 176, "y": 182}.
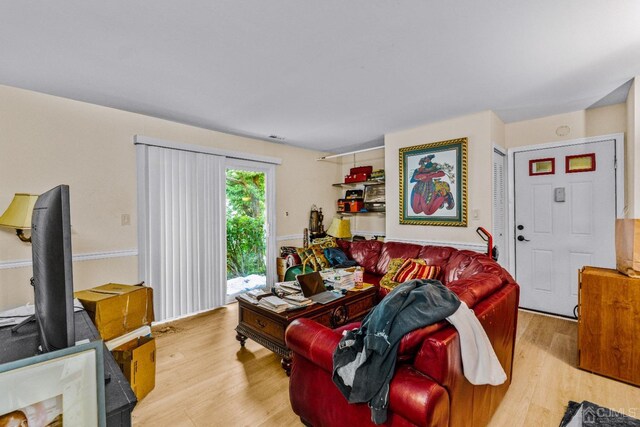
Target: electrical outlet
{"x": 125, "y": 219}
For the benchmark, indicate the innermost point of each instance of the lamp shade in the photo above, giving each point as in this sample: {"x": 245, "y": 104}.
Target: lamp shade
{"x": 340, "y": 228}
{"x": 18, "y": 214}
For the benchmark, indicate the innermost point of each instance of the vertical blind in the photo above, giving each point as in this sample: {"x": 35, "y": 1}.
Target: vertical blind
{"x": 182, "y": 236}
{"x": 499, "y": 202}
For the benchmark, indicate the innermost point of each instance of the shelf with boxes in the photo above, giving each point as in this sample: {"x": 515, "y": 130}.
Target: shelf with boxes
{"x": 366, "y": 194}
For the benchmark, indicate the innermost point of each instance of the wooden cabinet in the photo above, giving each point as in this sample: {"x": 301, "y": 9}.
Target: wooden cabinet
{"x": 609, "y": 324}
{"x": 267, "y": 327}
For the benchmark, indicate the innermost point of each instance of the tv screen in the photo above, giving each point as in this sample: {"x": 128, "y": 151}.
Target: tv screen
{"x": 52, "y": 269}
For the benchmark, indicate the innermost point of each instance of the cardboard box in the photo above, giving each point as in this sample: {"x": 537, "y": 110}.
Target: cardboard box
{"x": 137, "y": 360}
{"x": 117, "y": 309}
{"x": 628, "y": 247}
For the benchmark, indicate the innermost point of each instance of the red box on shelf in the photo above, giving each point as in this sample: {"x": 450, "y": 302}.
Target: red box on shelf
{"x": 359, "y": 177}
{"x": 355, "y": 206}
{"x": 361, "y": 169}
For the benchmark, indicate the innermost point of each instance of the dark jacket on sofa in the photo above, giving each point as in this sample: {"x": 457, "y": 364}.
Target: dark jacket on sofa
{"x": 364, "y": 361}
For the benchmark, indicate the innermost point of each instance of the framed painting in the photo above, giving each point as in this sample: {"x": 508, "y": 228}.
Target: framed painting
{"x": 433, "y": 183}
{"x": 64, "y": 387}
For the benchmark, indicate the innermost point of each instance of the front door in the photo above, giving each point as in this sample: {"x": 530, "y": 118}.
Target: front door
{"x": 565, "y": 211}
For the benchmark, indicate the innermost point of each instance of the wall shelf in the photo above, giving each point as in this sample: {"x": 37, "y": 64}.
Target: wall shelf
{"x": 355, "y": 184}
{"x": 361, "y": 213}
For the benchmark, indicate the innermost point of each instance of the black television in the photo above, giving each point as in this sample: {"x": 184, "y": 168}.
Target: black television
{"x": 52, "y": 269}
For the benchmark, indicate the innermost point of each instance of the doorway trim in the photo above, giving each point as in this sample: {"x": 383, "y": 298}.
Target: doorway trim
{"x": 270, "y": 215}
{"x": 619, "y": 169}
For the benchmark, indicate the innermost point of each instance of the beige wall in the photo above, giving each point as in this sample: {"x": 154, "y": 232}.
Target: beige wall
{"x": 483, "y": 130}
{"x": 478, "y": 129}
{"x": 498, "y": 129}
{"x": 46, "y": 141}
{"x": 583, "y": 123}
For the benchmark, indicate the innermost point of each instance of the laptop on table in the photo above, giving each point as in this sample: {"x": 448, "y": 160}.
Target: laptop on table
{"x": 313, "y": 288}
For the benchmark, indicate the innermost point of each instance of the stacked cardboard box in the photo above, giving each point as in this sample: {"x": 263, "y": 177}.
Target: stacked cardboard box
{"x": 117, "y": 310}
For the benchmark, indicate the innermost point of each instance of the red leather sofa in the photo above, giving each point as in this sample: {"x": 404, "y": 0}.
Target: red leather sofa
{"x": 428, "y": 387}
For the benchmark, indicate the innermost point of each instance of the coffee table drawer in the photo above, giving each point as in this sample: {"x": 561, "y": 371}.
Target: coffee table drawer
{"x": 263, "y": 324}
{"x": 359, "y": 308}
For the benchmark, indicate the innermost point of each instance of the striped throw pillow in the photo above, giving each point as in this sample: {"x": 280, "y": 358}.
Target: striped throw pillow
{"x": 412, "y": 269}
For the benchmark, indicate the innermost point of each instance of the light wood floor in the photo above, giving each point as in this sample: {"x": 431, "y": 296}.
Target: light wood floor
{"x": 204, "y": 377}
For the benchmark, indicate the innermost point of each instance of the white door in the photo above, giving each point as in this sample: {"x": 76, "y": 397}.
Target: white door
{"x": 564, "y": 219}
{"x": 499, "y": 207}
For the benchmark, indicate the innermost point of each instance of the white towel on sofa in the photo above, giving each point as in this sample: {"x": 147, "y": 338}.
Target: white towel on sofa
{"x": 479, "y": 362}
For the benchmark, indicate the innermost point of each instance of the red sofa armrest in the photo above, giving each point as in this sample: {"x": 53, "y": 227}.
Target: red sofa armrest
{"x": 439, "y": 357}
{"x": 418, "y": 398}
{"x": 313, "y": 341}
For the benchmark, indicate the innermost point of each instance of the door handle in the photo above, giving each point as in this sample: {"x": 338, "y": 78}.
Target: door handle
{"x": 522, "y": 239}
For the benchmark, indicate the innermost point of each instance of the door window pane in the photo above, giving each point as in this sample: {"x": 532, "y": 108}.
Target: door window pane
{"x": 542, "y": 166}
{"x": 246, "y": 231}
{"x": 581, "y": 163}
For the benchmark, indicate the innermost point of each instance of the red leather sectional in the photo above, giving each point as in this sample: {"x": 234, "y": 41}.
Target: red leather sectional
{"x": 428, "y": 388}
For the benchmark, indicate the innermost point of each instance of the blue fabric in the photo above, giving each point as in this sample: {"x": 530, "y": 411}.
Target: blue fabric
{"x": 409, "y": 306}
{"x": 337, "y": 258}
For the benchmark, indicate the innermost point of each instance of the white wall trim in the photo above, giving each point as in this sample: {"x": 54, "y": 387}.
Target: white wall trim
{"x": 4, "y": 265}
{"x": 368, "y": 233}
{"x": 500, "y": 149}
{"x": 620, "y": 162}
{"x": 289, "y": 237}
{"x": 147, "y": 140}
{"x": 478, "y": 247}
{"x": 269, "y": 171}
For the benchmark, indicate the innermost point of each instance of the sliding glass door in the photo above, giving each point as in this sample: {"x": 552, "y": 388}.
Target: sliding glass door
{"x": 206, "y": 222}
{"x": 250, "y": 256}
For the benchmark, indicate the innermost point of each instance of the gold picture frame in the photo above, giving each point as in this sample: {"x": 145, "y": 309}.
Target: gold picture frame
{"x": 433, "y": 183}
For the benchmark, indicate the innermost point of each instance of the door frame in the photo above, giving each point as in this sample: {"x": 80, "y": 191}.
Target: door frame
{"x": 619, "y": 181}
{"x": 270, "y": 215}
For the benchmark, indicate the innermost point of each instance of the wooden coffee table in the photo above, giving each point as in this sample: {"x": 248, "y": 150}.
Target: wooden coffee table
{"x": 267, "y": 327}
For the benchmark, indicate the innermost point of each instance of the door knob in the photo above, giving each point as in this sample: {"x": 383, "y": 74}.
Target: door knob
{"x": 522, "y": 239}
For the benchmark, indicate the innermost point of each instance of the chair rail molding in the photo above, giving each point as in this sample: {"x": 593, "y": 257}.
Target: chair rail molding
{"x": 4, "y": 265}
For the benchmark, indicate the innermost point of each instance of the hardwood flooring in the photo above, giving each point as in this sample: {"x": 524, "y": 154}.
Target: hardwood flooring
{"x": 204, "y": 377}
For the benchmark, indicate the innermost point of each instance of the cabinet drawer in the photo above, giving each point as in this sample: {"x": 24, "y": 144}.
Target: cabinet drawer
{"x": 263, "y": 324}
{"x": 360, "y": 308}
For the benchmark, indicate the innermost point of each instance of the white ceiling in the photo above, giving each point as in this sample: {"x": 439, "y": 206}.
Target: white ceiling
{"x": 329, "y": 75}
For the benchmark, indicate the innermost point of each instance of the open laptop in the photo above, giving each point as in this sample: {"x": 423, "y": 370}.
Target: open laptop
{"x": 313, "y": 288}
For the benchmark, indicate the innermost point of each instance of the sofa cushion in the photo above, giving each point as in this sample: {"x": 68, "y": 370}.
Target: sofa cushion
{"x": 393, "y": 250}
{"x": 345, "y": 245}
{"x": 458, "y": 263}
{"x": 415, "y": 269}
{"x": 366, "y": 253}
{"x": 392, "y": 268}
{"x": 318, "y": 252}
{"x": 325, "y": 242}
{"x": 436, "y": 255}
{"x": 474, "y": 289}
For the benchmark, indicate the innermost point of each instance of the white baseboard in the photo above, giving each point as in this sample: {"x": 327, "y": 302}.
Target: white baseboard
{"x": 4, "y": 265}
{"x": 478, "y": 247}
